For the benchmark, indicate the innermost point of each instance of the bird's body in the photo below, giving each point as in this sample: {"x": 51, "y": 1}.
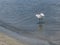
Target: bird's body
{"x": 39, "y": 16}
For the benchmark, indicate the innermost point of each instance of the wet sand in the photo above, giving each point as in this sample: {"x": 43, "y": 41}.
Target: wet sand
{"x": 6, "y": 40}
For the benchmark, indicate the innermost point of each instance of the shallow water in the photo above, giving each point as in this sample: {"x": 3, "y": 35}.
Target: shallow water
{"x": 19, "y": 16}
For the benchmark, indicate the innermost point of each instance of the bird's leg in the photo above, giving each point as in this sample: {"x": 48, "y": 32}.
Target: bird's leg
{"x": 39, "y": 20}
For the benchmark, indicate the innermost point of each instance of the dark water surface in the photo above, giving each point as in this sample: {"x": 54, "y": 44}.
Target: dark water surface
{"x": 19, "y": 16}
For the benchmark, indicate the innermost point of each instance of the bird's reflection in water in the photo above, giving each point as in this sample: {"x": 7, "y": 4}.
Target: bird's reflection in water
{"x": 40, "y": 27}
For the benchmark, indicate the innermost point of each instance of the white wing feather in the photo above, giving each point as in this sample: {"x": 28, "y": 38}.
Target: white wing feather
{"x": 40, "y": 15}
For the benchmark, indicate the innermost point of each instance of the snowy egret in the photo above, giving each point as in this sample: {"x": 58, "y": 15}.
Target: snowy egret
{"x": 40, "y": 17}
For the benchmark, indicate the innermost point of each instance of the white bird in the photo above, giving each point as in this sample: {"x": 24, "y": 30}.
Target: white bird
{"x": 39, "y": 16}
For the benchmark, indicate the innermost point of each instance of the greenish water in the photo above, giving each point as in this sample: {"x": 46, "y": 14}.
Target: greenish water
{"x": 19, "y": 16}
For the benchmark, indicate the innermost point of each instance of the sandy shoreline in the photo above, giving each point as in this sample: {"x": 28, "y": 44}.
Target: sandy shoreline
{"x": 6, "y": 40}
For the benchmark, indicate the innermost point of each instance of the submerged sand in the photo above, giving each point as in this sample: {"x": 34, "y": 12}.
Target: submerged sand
{"x": 6, "y": 40}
